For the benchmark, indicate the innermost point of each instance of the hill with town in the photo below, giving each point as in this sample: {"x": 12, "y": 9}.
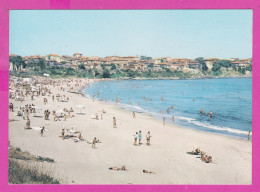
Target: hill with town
{"x": 118, "y": 67}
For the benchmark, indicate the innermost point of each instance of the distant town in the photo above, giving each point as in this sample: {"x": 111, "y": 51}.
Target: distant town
{"x": 139, "y": 64}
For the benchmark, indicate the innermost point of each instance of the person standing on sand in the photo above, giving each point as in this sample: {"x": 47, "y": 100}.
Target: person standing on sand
{"x": 94, "y": 143}
{"x": 28, "y": 124}
{"x": 135, "y": 138}
{"x": 133, "y": 115}
{"x": 114, "y": 122}
{"x": 163, "y": 120}
{"x": 140, "y": 137}
{"x": 63, "y": 133}
{"x": 248, "y": 135}
{"x": 148, "y": 138}
{"x": 43, "y": 129}
{"x": 173, "y": 118}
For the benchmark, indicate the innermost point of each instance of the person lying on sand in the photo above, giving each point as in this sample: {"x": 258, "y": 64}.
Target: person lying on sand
{"x": 205, "y": 158}
{"x": 197, "y": 152}
{"x": 150, "y": 172}
{"x": 79, "y": 138}
{"x": 123, "y": 168}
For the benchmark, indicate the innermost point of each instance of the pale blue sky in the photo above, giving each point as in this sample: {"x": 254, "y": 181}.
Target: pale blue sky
{"x": 174, "y": 33}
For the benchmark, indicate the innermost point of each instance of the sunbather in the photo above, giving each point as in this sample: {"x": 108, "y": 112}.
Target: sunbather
{"x": 123, "y": 168}
{"x": 150, "y": 172}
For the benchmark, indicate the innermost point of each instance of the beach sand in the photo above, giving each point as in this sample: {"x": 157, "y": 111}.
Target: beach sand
{"x": 166, "y": 156}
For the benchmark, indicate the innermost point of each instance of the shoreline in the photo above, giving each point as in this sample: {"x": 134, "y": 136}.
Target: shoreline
{"x": 121, "y": 109}
{"x": 126, "y": 107}
{"x": 167, "y": 156}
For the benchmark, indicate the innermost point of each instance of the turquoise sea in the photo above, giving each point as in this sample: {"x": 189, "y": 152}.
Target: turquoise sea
{"x": 230, "y": 100}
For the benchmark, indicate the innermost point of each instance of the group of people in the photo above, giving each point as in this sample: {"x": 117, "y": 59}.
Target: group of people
{"x": 123, "y": 168}
{"x": 138, "y": 136}
{"x": 203, "y": 157}
{"x": 210, "y": 113}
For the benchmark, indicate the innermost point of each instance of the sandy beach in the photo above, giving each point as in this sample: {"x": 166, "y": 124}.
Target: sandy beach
{"x": 79, "y": 163}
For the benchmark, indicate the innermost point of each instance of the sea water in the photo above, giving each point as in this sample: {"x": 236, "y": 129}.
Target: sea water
{"x": 230, "y": 100}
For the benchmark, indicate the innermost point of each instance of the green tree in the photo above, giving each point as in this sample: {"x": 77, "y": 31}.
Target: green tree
{"x": 202, "y": 62}
{"x": 224, "y": 63}
{"x": 113, "y": 66}
{"x": 106, "y": 74}
{"x": 70, "y": 71}
{"x": 216, "y": 67}
{"x": 17, "y": 61}
{"x": 82, "y": 66}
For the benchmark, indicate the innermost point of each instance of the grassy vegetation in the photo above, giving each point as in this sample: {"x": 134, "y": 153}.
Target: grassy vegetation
{"x": 17, "y": 153}
{"x": 220, "y": 69}
{"x": 24, "y": 168}
{"x": 103, "y": 72}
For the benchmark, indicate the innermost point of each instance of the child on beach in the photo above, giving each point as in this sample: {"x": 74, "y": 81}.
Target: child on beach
{"x": 172, "y": 118}
{"x": 133, "y": 115}
{"x": 164, "y": 121}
